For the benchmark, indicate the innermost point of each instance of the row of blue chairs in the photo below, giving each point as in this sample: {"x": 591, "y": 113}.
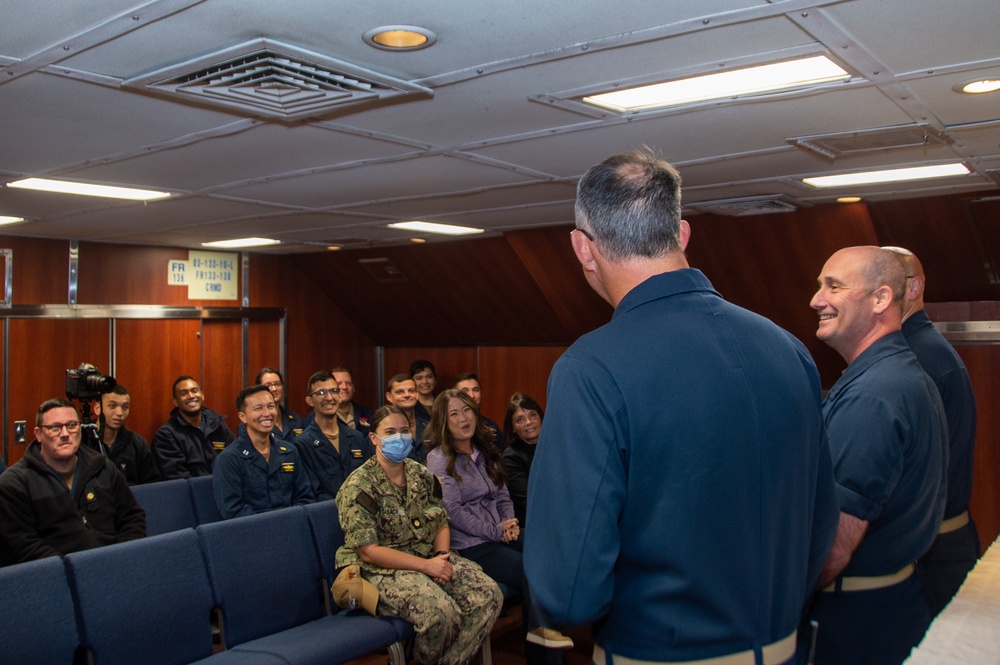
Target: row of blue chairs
{"x": 264, "y": 579}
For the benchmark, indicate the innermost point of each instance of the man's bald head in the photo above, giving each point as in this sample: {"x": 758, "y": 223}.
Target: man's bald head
{"x": 915, "y": 280}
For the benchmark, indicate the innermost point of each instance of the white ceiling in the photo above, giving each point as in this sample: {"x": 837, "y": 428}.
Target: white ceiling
{"x": 490, "y": 136}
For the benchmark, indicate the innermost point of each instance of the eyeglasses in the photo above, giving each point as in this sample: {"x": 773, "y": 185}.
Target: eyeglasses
{"x": 272, "y": 385}
{"x": 323, "y": 392}
{"x": 55, "y": 429}
{"x": 584, "y": 232}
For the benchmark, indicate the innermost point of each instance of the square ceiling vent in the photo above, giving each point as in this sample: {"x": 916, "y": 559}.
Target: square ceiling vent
{"x": 269, "y": 79}
{"x": 868, "y": 140}
{"x": 747, "y": 206}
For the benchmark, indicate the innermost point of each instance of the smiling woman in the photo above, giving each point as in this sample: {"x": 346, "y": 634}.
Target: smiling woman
{"x": 465, "y": 459}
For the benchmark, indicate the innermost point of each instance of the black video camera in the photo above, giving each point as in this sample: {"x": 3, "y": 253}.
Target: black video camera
{"x": 86, "y": 383}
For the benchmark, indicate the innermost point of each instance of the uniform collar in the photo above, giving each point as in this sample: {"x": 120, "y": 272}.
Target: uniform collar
{"x": 664, "y": 285}
{"x": 882, "y": 348}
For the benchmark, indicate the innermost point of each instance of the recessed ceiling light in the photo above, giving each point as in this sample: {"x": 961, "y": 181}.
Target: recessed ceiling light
{"x": 335, "y": 248}
{"x": 848, "y": 199}
{"x": 241, "y": 242}
{"x": 977, "y": 86}
{"x": 418, "y": 241}
{"x": 434, "y": 227}
{"x": 10, "y": 220}
{"x": 890, "y": 175}
{"x": 734, "y": 83}
{"x": 399, "y": 37}
{"x": 85, "y": 189}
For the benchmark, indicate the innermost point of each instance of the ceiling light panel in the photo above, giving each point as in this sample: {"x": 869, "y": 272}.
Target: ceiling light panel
{"x": 888, "y": 175}
{"x": 87, "y": 189}
{"x": 787, "y": 75}
{"x": 432, "y": 227}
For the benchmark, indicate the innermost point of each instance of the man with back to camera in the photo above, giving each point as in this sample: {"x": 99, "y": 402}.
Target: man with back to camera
{"x": 956, "y": 547}
{"x": 681, "y": 497}
{"x": 888, "y": 437}
{"x": 354, "y": 415}
{"x": 186, "y": 445}
{"x": 259, "y": 472}
{"x": 129, "y": 451}
{"x": 401, "y": 391}
{"x": 469, "y": 384}
{"x": 329, "y": 449}
{"x": 61, "y": 497}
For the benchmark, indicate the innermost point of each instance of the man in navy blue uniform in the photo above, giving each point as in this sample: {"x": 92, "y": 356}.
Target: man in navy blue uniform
{"x": 888, "y": 437}
{"x": 682, "y": 496}
{"x": 330, "y": 450}
{"x": 258, "y": 472}
{"x": 956, "y": 548}
{"x": 353, "y": 414}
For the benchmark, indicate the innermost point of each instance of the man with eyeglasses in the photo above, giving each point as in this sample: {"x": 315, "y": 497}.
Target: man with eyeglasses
{"x": 330, "y": 450}
{"x": 61, "y": 498}
{"x": 186, "y": 445}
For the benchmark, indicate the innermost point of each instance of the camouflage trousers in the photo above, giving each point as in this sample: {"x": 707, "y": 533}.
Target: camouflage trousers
{"x": 450, "y": 621}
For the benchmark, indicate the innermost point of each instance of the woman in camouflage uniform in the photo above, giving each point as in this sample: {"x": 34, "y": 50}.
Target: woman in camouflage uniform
{"x": 396, "y": 528}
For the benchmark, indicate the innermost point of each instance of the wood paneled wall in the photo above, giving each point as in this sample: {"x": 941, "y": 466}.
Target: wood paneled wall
{"x": 148, "y": 354}
{"x": 502, "y": 370}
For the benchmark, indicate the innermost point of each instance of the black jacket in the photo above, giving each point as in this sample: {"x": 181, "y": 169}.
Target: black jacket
{"x": 132, "y": 457}
{"x": 39, "y": 517}
{"x": 182, "y": 450}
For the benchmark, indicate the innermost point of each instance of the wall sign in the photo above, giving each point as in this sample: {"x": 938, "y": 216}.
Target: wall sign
{"x": 208, "y": 275}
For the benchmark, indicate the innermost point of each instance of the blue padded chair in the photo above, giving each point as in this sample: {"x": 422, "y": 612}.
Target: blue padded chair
{"x": 328, "y": 536}
{"x": 324, "y": 522}
{"x": 148, "y": 601}
{"x": 36, "y": 612}
{"x": 206, "y": 510}
{"x": 167, "y": 504}
{"x": 266, "y": 581}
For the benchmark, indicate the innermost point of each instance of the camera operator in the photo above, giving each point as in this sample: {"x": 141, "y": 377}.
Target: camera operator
{"x": 129, "y": 451}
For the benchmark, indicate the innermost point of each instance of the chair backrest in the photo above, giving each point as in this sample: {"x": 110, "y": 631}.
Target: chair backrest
{"x": 264, "y": 573}
{"x": 167, "y": 504}
{"x": 36, "y": 613}
{"x": 206, "y": 510}
{"x": 144, "y": 601}
{"x": 324, "y": 521}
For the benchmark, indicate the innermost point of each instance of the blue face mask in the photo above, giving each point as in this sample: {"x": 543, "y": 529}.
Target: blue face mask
{"x": 396, "y": 447}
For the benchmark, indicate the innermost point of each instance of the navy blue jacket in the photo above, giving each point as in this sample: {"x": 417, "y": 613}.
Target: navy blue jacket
{"x": 246, "y": 484}
{"x": 325, "y": 467}
{"x": 681, "y": 496}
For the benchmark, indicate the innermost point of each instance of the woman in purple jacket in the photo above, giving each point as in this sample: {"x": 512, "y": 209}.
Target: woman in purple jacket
{"x": 463, "y": 456}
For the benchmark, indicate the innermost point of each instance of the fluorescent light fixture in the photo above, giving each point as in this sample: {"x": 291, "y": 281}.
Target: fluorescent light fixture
{"x": 241, "y": 242}
{"x": 434, "y": 227}
{"x": 849, "y": 199}
{"x": 891, "y": 175}
{"x": 84, "y": 189}
{"x": 10, "y": 220}
{"x": 747, "y": 81}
